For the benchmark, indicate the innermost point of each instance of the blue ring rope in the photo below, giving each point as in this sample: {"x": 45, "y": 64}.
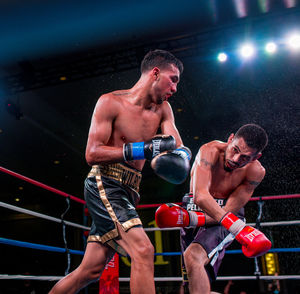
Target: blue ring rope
{"x": 238, "y": 251}
{"x": 38, "y": 246}
{"x": 78, "y": 252}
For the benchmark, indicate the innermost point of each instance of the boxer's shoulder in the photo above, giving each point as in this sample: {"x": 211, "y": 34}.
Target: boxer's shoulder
{"x": 213, "y": 147}
{"x": 255, "y": 171}
{"x": 210, "y": 152}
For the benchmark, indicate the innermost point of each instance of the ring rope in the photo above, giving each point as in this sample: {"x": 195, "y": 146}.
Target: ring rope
{"x": 64, "y": 236}
{"x": 70, "y": 251}
{"x": 44, "y": 216}
{"x": 63, "y": 250}
{"x": 235, "y": 251}
{"x": 41, "y": 185}
{"x": 264, "y": 224}
{"x": 59, "y": 192}
{"x": 38, "y": 246}
{"x": 157, "y": 279}
{"x": 275, "y": 197}
{"x": 168, "y": 279}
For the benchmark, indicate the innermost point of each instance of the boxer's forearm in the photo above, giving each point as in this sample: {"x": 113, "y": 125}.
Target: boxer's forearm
{"x": 209, "y": 206}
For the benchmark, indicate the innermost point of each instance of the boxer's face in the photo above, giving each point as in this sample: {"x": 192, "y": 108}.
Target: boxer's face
{"x": 238, "y": 153}
{"x": 165, "y": 84}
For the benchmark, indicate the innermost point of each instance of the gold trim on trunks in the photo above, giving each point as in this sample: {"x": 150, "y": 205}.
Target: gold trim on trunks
{"x": 109, "y": 236}
{"x": 125, "y": 175}
{"x": 112, "y": 243}
{"x": 131, "y": 223}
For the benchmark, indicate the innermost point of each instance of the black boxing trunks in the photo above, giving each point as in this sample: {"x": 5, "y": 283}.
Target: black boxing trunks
{"x": 214, "y": 238}
{"x": 111, "y": 194}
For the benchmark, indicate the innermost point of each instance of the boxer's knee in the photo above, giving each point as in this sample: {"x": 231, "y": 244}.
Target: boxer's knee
{"x": 195, "y": 256}
{"x": 144, "y": 252}
{"x": 86, "y": 275}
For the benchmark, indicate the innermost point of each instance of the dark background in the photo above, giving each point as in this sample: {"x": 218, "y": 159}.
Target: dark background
{"x": 57, "y": 59}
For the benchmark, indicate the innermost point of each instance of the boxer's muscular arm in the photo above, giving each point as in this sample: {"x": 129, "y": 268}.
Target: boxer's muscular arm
{"x": 97, "y": 151}
{"x": 241, "y": 195}
{"x": 201, "y": 177}
{"x": 238, "y": 198}
{"x": 168, "y": 123}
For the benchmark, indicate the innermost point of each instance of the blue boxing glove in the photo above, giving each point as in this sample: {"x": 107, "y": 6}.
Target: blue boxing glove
{"x": 173, "y": 166}
{"x": 148, "y": 149}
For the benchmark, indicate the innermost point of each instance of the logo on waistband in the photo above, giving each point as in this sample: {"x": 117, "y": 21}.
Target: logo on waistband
{"x": 130, "y": 179}
{"x": 193, "y": 207}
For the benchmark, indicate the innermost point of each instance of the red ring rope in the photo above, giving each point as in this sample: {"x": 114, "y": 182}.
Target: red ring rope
{"x": 46, "y": 187}
{"x": 275, "y": 197}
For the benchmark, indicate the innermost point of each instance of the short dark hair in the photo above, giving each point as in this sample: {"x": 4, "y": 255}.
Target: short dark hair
{"x": 161, "y": 59}
{"x": 254, "y": 135}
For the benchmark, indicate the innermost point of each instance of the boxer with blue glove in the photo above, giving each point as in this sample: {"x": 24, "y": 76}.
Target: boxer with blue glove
{"x": 122, "y": 136}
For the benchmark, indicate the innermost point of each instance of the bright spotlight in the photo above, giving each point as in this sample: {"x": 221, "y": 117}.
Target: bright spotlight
{"x": 294, "y": 41}
{"x": 247, "y": 51}
{"x": 271, "y": 47}
{"x": 222, "y": 57}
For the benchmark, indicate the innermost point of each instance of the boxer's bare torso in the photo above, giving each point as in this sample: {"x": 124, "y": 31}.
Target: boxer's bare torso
{"x": 211, "y": 177}
{"x": 223, "y": 183}
{"x": 133, "y": 115}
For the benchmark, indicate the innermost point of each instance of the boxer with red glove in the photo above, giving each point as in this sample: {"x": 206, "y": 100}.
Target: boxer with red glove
{"x": 254, "y": 242}
{"x": 172, "y": 215}
{"x": 228, "y": 171}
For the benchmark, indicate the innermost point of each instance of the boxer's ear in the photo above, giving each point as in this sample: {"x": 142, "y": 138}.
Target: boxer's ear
{"x": 230, "y": 138}
{"x": 155, "y": 72}
{"x": 257, "y": 156}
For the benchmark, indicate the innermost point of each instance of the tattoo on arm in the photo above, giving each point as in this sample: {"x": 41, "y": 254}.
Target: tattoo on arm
{"x": 206, "y": 163}
{"x": 120, "y": 94}
{"x": 254, "y": 183}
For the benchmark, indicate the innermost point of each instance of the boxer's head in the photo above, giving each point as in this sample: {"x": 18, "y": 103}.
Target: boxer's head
{"x": 164, "y": 69}
{"x": 161, "y": 59}
{"x": 245, "y": 146}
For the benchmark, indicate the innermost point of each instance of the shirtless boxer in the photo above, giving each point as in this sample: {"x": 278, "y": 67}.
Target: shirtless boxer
{"x": 223, "y": 178}
{"x": 121, "y": 138}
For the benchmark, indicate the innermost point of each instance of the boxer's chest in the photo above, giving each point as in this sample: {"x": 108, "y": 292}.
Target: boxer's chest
{"x": 224, "y": 183}
{"x": 134, "y": 125}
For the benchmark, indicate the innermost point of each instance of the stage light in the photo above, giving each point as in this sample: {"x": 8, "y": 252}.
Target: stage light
{"x": 294, "y": 41}
{"x": 270, "y": 263}
{"x": 222, "y": 57}
{"x": 247, "y": 51}
{"x": 271, "y": 47}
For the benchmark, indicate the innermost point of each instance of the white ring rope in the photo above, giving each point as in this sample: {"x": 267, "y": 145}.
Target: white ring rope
{"x": 30, "y": 212}
{"x": 283, "y": 277}
{"x": 44, "y": 216}
{"x": 265, "y": 224}
{"x": 157, "y": 279}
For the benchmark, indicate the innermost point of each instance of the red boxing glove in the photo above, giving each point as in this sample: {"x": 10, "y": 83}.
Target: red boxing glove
{"x": 172, "y": 215}
{"x": 254, "y": 242}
